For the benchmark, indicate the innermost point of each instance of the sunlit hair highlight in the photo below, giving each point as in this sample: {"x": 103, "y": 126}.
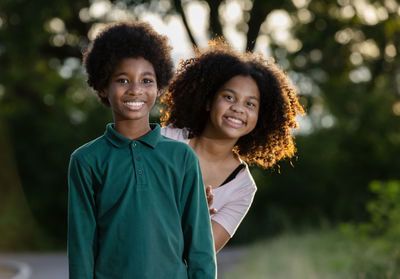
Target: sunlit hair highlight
{"x": 198, "y": 79}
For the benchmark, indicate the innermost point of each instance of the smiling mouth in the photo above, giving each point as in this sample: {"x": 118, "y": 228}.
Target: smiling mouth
{"x": 235, "y": 122}
{"x": 134, "y": 105}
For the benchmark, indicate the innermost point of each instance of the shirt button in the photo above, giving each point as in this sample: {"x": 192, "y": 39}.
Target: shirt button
{"x": 140, "y": 171}
{"x": 134, "y": 144}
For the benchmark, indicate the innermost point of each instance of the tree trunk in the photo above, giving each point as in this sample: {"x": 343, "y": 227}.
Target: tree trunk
{"x": 18, "y": 228}
{"x": 258, "y": 14}
{"x": 215, "y": 24}
{"x": 179, "y": 9}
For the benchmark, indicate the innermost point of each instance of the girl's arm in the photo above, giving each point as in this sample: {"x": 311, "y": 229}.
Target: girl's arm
{"x": 221, "y": 236}
{"x": 234, "y": 208}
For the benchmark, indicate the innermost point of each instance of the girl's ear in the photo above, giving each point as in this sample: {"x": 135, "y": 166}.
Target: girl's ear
{"x": 208, "y": 106}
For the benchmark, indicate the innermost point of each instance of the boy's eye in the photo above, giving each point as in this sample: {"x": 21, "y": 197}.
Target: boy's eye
{"x": 122, "y": 80}
{"x": 228, "y": 97}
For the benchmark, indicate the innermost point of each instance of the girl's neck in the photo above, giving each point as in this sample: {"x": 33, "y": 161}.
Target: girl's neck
{"x": 213, "y": 149}
{"x": 132, "y": 129}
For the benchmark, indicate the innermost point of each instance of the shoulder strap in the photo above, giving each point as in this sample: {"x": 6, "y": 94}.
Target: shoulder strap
{"x": 233, "y": 174}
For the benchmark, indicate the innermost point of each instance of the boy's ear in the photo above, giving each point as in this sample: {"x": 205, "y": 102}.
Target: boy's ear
{"x": 103, "y": 93}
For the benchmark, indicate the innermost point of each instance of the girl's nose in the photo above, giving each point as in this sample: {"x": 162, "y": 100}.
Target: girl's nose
{"x": 237, "y": 107}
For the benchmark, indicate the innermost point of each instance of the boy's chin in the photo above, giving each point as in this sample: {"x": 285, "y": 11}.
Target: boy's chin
{"x": 139, "y": 118}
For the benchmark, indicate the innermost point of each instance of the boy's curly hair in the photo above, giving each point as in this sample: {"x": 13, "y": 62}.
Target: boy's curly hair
{"x": 124, "y": 40}
{"x": 197, "y": 81}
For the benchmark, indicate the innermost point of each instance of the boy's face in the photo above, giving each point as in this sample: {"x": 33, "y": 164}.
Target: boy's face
{"x": 132, "y": 90}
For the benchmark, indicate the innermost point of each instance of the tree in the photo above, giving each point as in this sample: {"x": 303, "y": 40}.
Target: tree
{"x": 41, "y": 111}
{"x": 346, "y": 70}
{"x": 344, "y": 63}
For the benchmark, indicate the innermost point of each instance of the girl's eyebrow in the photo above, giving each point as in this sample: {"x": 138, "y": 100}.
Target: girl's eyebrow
{"x": 230, "y": 90}
{"x": 235, "y": 93}
{"x": 254, "y": 97}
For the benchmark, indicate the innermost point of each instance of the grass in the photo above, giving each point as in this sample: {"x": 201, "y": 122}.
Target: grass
{"x": 312, "y": 255}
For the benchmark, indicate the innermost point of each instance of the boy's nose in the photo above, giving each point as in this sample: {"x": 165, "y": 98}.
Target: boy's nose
{"x": 134, "y": 89}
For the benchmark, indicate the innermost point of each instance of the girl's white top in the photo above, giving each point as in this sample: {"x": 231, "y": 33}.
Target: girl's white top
{"x": 233, "y": 199}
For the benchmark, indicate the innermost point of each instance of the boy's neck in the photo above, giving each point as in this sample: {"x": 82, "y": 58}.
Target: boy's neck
{"x": 132, "y": 129}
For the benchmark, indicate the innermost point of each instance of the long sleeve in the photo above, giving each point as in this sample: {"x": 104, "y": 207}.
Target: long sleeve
{"x": 81, "y": 220}
{"x": 199, "y": 244}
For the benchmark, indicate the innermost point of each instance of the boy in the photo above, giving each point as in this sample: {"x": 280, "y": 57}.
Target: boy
{"x": 137, "y": 207}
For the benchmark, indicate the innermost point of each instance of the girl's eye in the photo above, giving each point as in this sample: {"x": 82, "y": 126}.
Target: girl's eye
{"x": 250, "y": 104}
{"x": 146, "y": 80}
{"x": 123, "y": 80}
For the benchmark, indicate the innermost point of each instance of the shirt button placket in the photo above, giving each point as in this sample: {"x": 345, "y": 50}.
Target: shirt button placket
{"x": 133, "y": 145}
{"x": 138, "y": 164}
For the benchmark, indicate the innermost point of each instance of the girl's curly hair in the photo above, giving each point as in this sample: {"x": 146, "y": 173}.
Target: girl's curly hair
{"x": 124, "y": 40}
{"x": 197, "y": 81}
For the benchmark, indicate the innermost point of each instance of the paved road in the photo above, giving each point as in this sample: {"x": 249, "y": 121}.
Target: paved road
{"x": 35, "y": 265}
{"x": 54, "y": 265}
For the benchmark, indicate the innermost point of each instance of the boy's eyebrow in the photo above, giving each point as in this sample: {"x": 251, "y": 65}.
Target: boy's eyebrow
{"x": 125, "y": 74}
{"x": 148, "y": 74}
{"x": 234, "y": 92}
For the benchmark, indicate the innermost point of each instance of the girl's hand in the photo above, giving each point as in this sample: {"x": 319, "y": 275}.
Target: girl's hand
{"x": 210, "y": 199}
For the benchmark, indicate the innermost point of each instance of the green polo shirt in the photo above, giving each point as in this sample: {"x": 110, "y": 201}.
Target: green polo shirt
{"x": 137, "y": 209}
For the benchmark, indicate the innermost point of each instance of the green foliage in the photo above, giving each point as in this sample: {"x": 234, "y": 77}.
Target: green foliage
{"x": 324, "y": 254}
{"x": 354, "y": 134}
{"x": 47, "y": 115}
{"x": 382, "y": 231}
{"x": 385, "y": 211}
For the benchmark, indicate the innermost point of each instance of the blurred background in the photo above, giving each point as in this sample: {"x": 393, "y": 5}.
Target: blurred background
{"x": 331, "y": 212}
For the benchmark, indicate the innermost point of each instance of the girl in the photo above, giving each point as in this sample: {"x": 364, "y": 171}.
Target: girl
{"x": 232, "y": 109}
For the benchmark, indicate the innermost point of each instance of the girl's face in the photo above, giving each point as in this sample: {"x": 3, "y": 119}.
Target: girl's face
{"x": 234, "y": 110}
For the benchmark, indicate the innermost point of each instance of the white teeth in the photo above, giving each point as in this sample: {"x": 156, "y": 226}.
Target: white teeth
{"x": 134, "y": 104}
{"x": 234, "y": 120}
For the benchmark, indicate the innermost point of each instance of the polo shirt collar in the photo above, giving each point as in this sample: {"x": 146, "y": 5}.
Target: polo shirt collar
{"x": 151, "y": 139}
